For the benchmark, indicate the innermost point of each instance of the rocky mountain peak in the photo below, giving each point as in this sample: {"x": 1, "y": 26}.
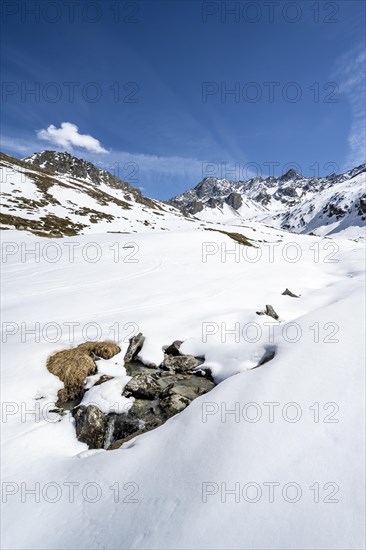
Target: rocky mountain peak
{"x": 290, "y": 175}
{"x": 63, "y": 163}
{"x": 291, "y": 201}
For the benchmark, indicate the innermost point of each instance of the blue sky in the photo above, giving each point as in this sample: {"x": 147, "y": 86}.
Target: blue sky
{"x": 143, "y": 87}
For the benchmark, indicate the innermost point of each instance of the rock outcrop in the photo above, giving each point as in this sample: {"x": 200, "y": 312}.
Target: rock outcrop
{"x": 158, "y": 393}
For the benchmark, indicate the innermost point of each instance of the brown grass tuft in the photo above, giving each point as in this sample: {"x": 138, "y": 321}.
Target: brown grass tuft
{"x": 72, "y": 366}
{"x": 105, "y": 350}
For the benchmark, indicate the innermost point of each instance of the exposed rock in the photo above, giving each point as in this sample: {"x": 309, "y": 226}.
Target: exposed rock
{"x": 290, "y": 175}
{"x": 142, "y": 386}
{"x": 123, "y": 425}
{"x": 287, "y": 191}
{"x": 91, "y": 425}
{"x": 119, "y": 442}
{"x": 195, "y": 207}
{"x": 235, "y": 200}
{"x": 288, "y": 292}
{"x": 174, "y": 404}
{"x": 293, "y": 193}
{"x": 185, "y": 390}
{"x": 214, "y": 203}
{"x": 334, "y": 210}
{"x": 263, "y": 197}
{"x": 181, "y": 363}
{"x": 268, "y": 311}
{"x": 158, "y": 392}
{"x": 136, "y": 343}
{"x": 173, "y": 349}
{"x": 136, "y": 367}
{"x": 271, "y": 312}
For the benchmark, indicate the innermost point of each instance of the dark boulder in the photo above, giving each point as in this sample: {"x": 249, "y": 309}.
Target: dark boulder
{"x": 173, "y": 349}
{"x": 91, "y": 426}
{"x": 135, "y": 346}
{"x": 288, "y": 292}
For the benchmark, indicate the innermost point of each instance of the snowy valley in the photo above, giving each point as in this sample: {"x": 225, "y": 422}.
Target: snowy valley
{"x": 259, "y": 433}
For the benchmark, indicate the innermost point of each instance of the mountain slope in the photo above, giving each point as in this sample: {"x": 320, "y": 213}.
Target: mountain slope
{"x": 324, "y": 206}
{"x": 56, "y": 194}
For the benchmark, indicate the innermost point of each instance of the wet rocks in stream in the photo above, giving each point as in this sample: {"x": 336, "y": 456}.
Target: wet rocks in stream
{"x": 158, "y": 394}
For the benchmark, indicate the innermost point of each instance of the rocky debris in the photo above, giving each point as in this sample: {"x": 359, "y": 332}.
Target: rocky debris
{"x": 288, "y": 292}
{"x": 91, "y": 425}
{"x": 137, "y": 367}
{"x": 142, "y": 386}
{"x": 268, "y": 311}
{"x": 174, "y": 404}
{"x": 173, "y": 349}
{"x": 181, "y": 363}
{"x": 158, "y": 394}
{"x": 135, "y": 346}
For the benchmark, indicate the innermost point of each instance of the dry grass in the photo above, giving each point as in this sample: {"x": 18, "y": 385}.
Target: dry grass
{"x": 46, "y": 226}
{"x": 72, "y": 366}
{"x": 237, "y": 237}
{"x": 105, "y": 350}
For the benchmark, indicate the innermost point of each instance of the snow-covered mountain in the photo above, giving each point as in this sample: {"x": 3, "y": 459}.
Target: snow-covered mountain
{"x": 56, "y": 194}
{"x": 328, "y": 205}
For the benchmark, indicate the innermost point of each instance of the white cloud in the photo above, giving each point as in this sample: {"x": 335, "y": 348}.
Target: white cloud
{"x": 67, "y": 136}
{"x": 351, "y": 78}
